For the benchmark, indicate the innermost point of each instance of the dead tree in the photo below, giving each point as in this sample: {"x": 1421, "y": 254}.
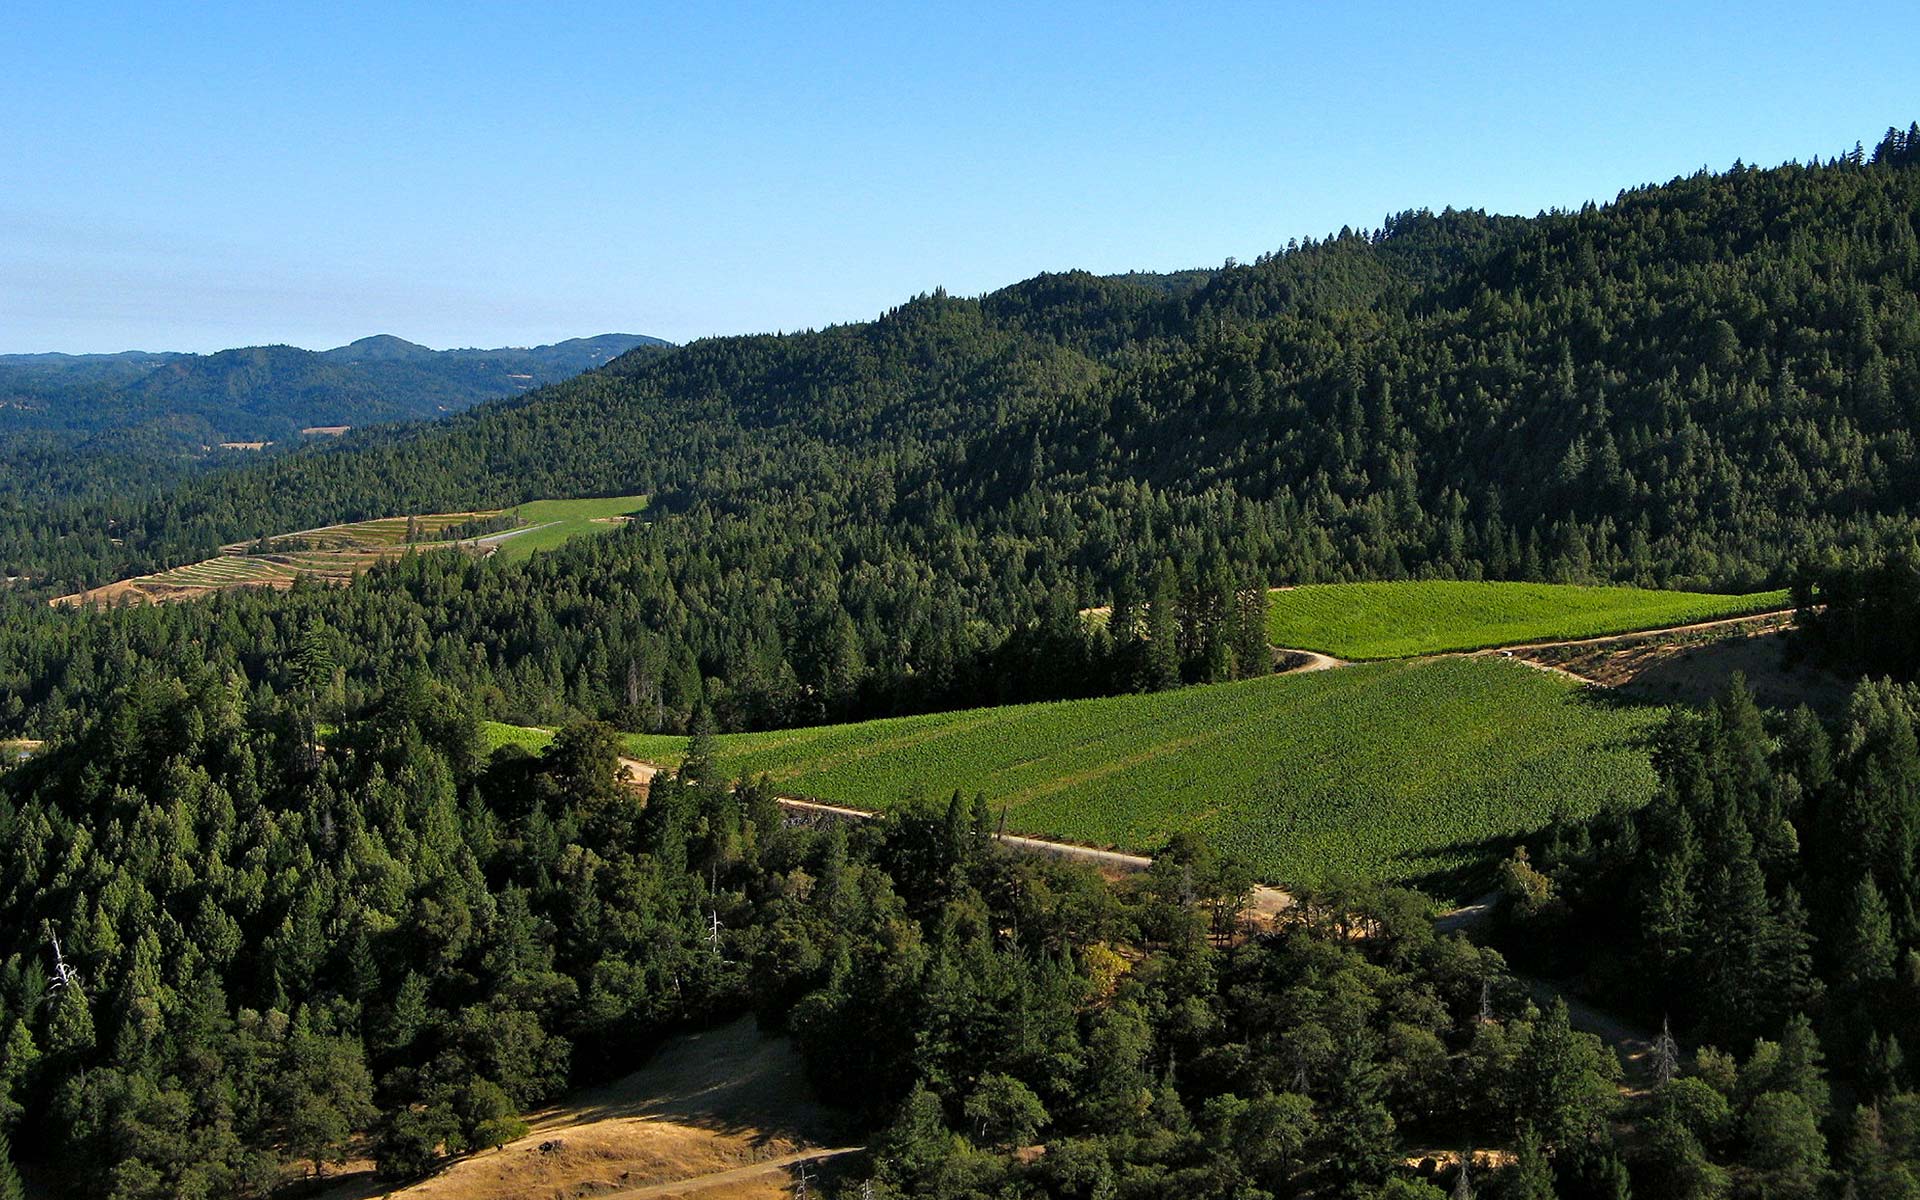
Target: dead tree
{"x": 1463, "y": 1182}
{"x": 1666, "y": 1053}
{"x": 64, "y": 976}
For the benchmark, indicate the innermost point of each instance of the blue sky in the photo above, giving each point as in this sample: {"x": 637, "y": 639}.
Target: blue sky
{"x": 195, "y": 176}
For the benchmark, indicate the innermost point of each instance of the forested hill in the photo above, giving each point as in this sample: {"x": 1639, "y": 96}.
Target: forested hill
{"x": 264, "y": 393}
{"x": 1691, "y": 384}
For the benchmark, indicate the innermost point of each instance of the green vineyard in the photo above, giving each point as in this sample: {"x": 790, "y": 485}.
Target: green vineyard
{"x": 1408, "y": 771}
{"x": 1397, "y": 620}
{"x": 337, "y": 553}
{"x": 545, "y": 524}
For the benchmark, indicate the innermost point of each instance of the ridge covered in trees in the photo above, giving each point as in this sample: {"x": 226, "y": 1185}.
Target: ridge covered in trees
{"x": 84, "y": 426}
{"x": 1700, "y": 384}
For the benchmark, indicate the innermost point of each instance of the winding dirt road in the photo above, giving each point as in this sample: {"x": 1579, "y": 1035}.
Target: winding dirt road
{"x": 1314, "y": 660}
{"x": 746, "y": 1174}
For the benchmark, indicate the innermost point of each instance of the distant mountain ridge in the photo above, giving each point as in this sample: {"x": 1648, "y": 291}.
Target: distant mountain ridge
{"x": 372, "y": 347}
{"x": 168, "y": 402}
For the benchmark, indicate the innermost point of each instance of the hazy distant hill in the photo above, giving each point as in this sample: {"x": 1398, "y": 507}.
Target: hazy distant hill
{"x": 162, "y": 402}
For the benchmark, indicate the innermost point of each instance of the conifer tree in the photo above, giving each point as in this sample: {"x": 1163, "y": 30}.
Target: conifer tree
{"x": 1868, "y": 949}
{"x": 1252, "y": 649}
{"x": 1531, "y": 1175}
{"x": 1163, "y": 629}
{"x": 10, "y": 1186}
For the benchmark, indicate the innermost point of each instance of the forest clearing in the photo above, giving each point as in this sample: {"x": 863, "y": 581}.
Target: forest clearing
{"x": 725, "y": 1113}
{"x": 1310, "y": 778}
{"x": 338, "y": 553}
{"x": 1391, "y": 771}
{"x": 1361, "y": 621}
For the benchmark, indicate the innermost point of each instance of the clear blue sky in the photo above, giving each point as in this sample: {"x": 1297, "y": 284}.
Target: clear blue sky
{"x": 195, "y": 176}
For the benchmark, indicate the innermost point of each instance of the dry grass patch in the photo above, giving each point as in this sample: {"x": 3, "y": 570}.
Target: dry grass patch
{"x": 715, "y": 1114}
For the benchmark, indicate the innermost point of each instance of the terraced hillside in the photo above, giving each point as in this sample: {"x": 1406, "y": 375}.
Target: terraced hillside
{"x": 1416, "y": 770}
{"x": 336, "y": 553}
{"x": 1398, "y": 620}
{"x": 360, "y": 535}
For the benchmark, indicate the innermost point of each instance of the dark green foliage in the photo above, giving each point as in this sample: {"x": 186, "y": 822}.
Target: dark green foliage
{"x": 1864, "y": 618}
{"x": 1765, "y": 900}
{"x": 1768, "y": 875}
{"x": 278, "y": 947}
{"x": 1531, "y": 1176}
{"x": 10, "y": 1187}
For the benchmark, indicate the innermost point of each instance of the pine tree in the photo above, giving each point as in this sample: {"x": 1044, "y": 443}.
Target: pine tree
{"x": 10, "y": 1186}
{"x": 1463, "y": 1178}
{"x": 1882, "y": 1064}
{"x": 1531, "y": 1175}
{"x": 697, "y": 765}
{"x": 1801, "y": 1067}
{"x": 1737, "y": 926}
{"x": 1867, "y": 950}
{"x": 1558, "y": 1095}
{"x": 314, "y": 664}
{"x": 1666, "y": 1054}
{"x": 1163, "y": 629}
{"x": 1252, "y": 651}
{"x": 1789, "y": 956}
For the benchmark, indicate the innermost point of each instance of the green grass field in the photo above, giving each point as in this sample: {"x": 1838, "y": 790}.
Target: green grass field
{"x": 559, "y": 520}
{"x": 494, "y": 734}
{"x": 1402, "y": 770}
{"x": 1397, "y": 620}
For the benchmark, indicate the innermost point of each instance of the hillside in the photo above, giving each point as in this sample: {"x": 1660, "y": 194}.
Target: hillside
{"x": 1405, "y": 772}
{"x": 1397, "y": 620}
{"x": 339, "y": 553}
{"x": 1682, "y": 389}
{"x": 1583, "y": 391}
{"x": 109, "y": 427}
{"x": 266, "y": 393}
{"x": 269, "y": 906}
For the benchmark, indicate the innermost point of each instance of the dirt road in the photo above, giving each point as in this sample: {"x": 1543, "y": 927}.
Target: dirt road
{"x": 1312, "y": 660}
{"x": 639, "y": 772}
{"x": 746, "y": 1174}
{"x": 1113, "y": 860}
{"x": 1305, "y": 660}
{"x": 1721, "y": 623}
{"x": 1633, "y": 1046}
{"x": 494, "y": 539}
{"x": 1469, "y": 917}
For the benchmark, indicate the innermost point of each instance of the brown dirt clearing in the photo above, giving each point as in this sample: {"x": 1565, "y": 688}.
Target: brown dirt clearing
{"x": 721, "y": 1114}
{"x": 1695, "y": 666}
